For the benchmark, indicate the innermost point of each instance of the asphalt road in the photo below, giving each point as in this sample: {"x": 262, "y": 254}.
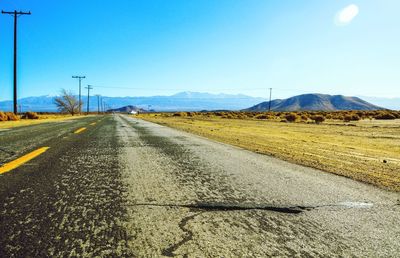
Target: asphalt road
{"x": 129, "y": 188}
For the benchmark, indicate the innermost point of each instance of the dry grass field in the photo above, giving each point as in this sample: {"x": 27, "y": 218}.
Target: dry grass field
{"x": 367, "y": 150}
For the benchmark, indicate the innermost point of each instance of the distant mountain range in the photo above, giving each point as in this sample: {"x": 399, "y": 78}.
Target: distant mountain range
{"x": 316, "y": 102}
{"x": 188, "y": 101}
{"x": 196, "y": 101}
{"x": 390, "y": 103}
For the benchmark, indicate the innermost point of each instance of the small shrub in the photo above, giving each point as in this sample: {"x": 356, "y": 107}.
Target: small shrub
{"x": 30, "y": 115}
{"x": 396, "y": 114}
{"x": 249, "y": 114}
{"x": 339, "y": 117}
{"x": 241, "y": 116}
{"x": 304, "y": 117}
{"x": 228, "y": 116}
{"x": 261, "y": 116}
{"x": 3, "y": 116}
{"x": 179, "y": 114}
{"x": 385, "y": 116}
{"x": 11, "y": 116}
{"x": 291, "y": 117}
{"x": 318, "y": 119}
{"x": 362, "y": 114}
{"x": 351, "y": 117}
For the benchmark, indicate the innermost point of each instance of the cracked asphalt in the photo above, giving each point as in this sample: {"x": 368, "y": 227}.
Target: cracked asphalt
{"x": 129, "y": 188}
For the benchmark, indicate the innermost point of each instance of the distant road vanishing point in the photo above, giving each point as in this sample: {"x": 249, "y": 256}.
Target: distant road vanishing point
{"x": 119, "y": 186}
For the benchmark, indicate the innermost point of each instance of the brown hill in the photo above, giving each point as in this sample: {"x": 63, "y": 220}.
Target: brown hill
{"x": 315, "y": 102}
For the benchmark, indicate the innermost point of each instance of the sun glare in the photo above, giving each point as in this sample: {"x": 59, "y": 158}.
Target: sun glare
{"x": 346, "y": 15}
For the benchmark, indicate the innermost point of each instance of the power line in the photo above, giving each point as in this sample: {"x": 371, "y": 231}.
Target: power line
{"x": 89, "y": 87}
{"x": 165, "y": 89}
{"x": 171, "y": 89}
{"x": 80, "y": 80}
{"x": 213, "y": 89}
{"x": 16, "y": 15}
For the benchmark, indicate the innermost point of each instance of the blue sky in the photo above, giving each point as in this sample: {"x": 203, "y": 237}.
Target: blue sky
{"x": 230, "y": 46}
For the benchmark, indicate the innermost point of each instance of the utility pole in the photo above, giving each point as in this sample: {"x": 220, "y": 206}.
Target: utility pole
{"x": 16, "y": 15}
{"x": 270, "y": 95}
{"x": 80, "y": 80}
{"x": 98, "y": 104}
{"x": 89, "y": 87}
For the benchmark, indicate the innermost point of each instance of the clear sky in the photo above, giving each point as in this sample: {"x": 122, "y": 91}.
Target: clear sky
{"x": 231, "y": 46}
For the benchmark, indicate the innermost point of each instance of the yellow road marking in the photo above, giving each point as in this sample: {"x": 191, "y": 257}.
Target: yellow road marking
{"x": 22, "y": 160}
{"x": 93, "y": 123}
{"x": 80, "y": 130}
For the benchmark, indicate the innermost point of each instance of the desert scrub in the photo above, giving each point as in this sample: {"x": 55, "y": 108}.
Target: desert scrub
{"x": 385, "y": 116}
{"x": 304, "y": 117}
{"x": 30, "y": 115}
{"x": 318, "y": 119}
{"x": 261, "y": 116}
{"x": 8, "y": 116}
{"x": 351, "y": 117}
{"x": 12, "y": 117}
{"x": 181, "y": 114}
{"x": 3, "y": 116}
{"x": 291, "y": 117}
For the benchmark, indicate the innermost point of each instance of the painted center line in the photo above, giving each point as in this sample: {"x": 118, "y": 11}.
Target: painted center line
{"x": 22, "y": 160}
{"x": 80, "y": 130}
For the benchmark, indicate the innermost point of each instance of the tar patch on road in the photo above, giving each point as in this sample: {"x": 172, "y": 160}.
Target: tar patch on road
{"x": 210, "y": 207}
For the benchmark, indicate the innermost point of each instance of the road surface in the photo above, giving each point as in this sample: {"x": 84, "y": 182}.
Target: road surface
{"x": 117, "y": 186}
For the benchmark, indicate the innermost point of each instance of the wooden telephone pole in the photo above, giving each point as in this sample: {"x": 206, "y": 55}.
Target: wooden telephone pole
{"x": 80, "y": 80}
{"x": 16, "y": 15}
{"x": 89, "y": 87}
{"x": 270, "y": 96}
